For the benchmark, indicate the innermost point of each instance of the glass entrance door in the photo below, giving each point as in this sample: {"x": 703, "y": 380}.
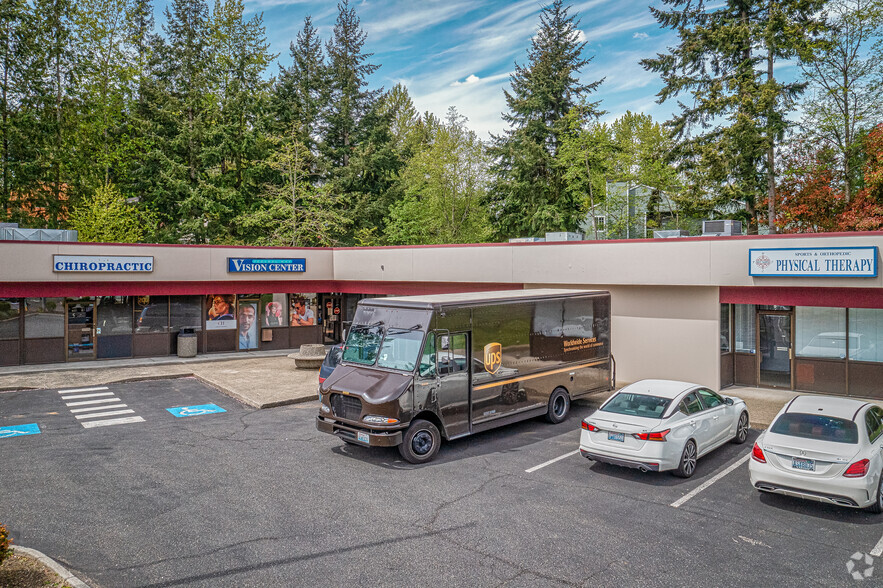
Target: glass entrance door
{"x": 80, "y": 330}
{"x": 775, "y": 349}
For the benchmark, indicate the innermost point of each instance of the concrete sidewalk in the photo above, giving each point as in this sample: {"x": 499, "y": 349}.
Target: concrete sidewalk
{"x": 261, "y": 379}
{"x": 264, "y": 379}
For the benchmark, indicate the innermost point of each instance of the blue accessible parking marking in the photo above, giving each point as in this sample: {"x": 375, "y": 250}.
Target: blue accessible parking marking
{"x": 185, "y": 411}
{"x": 19, "y": 430}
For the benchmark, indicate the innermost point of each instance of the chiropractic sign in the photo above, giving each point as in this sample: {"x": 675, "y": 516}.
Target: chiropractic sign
{"x": 249, "y": 265}
{"x": 825, "y": 262}
{"x": 102, "y": 264}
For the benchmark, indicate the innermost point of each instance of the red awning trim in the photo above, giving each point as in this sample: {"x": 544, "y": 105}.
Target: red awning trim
{"x": 803, "y": 296}
{"x": 152, "y": 288}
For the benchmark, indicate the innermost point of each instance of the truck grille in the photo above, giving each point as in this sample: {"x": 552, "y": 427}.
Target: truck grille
{"x": 346, "y": 407}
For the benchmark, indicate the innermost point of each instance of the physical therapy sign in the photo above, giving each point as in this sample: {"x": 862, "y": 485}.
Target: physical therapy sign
{"x": 102, "y": 264}
{"x": 826, "y": 262}
{"x": 245, "y": 264}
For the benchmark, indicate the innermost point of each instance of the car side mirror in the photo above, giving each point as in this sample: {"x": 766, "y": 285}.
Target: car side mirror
{"x": 729, "y": 401}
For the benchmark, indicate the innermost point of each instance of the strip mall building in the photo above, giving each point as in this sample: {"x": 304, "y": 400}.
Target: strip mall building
{"x": 800, "y": 312}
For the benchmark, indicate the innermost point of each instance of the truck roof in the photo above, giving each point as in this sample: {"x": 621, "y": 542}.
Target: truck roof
{"x": 431, "y": 301}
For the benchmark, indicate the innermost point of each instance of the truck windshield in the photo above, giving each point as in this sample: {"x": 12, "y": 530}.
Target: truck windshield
{"x": 399, "y": 349}
{"x": 363, "y": 343}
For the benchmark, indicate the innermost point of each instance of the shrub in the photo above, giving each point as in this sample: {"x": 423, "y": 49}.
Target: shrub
{"x": 5, "y": 542}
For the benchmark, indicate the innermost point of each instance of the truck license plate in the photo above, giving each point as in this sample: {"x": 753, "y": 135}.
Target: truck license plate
{"x": 362, "y": 437}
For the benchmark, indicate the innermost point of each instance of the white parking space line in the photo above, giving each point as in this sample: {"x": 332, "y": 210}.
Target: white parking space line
{"x": 73, "y": 390}
{"x": 102, "y": 407}
{"x": 105, "y": 414}
{"x": 551, "y": 461}
{"x": 707, "y": 483}
{"x": 85, "y": 402}
{"x": 93, "y": 395}
{"x": 878, "y": 550}
{"x": 108, "y": 422}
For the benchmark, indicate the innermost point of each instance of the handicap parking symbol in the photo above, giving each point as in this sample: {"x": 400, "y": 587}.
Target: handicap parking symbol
{"x": 185, "y": 411}
{"x": 19, "y": 430}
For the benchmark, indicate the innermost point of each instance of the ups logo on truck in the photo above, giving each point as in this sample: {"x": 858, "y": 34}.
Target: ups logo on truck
{"x": 493, "y": 357}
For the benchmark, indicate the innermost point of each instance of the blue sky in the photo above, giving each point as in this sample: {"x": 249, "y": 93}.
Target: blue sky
{"x": 461, "y": 52}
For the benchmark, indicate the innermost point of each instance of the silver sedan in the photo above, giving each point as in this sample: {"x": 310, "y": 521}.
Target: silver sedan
{"x": 657, "y": 425}
{"x": 823, "y": 448}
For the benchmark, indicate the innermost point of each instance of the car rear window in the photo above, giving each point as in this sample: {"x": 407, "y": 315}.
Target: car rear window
{"x": 816, "y": 426}
{"x": 640, "y": 405}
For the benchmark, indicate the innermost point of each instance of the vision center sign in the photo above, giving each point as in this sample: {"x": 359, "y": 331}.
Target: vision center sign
{"x": 275, "y": 265}
{"x": 126, "y": 264}
{"x": 827, "y": 262}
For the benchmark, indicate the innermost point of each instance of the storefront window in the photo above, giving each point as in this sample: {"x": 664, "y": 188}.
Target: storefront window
{"x": 151, "y": 314}
{"x": 9, "y": 318}
{"x": 821, "y": 332}
{"x": 302, "y": 312}
{"x": 185, "y": 311}
{"x": 744, "y": 328}
{"x": 219, "y": 309}
{"x": 866, "y": 334}
{"x": 44, "y": 317}
{"x": 247, "y": 320}
{"x": 273, "y": 312}
{"x": 725, "y": 328}
{"x": 114, "y": 315}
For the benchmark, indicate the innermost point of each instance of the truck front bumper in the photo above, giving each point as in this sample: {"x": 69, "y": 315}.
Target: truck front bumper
{"x": 358, "y": 435}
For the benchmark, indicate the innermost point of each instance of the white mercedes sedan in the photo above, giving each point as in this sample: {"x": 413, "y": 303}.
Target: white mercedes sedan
{"x": 823, "y": 448}
{"x": 657, "y": 425}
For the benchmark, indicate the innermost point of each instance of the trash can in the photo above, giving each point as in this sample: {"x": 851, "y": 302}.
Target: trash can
{"x": 187, "y": 342}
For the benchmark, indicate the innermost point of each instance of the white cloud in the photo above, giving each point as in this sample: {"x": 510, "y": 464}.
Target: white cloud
{"x": 640, "y": 36}
{"x": 619, "y": 26}
{"x": 580, "y": 37}
{"x": 470, "y": 79}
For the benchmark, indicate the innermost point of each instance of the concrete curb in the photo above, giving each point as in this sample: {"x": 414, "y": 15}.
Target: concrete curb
{"x": 53, "y": 565}
{"x": 250, "y": 402}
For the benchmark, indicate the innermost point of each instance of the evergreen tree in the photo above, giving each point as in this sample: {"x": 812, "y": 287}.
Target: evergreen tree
{"x": 725, "y": 60}
{"x": 530, "y": 196}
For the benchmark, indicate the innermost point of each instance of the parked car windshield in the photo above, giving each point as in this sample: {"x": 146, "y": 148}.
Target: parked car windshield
{"x": 400, "y": 349}
{"x": 641, "y": 405}
{"x": 816, "y": 426}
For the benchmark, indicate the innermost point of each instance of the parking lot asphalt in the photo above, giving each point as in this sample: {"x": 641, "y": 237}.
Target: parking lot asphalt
{"x": 246, "y": 497}
{"x": 263, "y": 379}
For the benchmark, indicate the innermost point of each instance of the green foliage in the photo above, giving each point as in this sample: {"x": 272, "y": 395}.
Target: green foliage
{"x": 443, "y": 186}
{"x": 5, "y": 542}
{"x": 529, "y": 196}
{"x": 106, "y": 217}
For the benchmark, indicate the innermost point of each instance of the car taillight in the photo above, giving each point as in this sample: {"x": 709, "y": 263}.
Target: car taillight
{"x": 757, "y": 454}
{"x": 589, "y": 427}
{"x": 857, "y": 470}
{"x": 660, "y": 436}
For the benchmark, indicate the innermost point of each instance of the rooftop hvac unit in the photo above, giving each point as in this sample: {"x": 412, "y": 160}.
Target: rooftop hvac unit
{"x": 725, "y": 227}
{"x": 19, "y": 234}
{"x": 527, "y": 240}
{"x": 670, "y": 234}
{"x": 564, "y": 237}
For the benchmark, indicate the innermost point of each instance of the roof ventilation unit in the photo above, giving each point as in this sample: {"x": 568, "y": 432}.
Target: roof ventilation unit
{"x": 721, "y": 228}
{"x": 564, "y": 237}
{"x": 670, "y": 234}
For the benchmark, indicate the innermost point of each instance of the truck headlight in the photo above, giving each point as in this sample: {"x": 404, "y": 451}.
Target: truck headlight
{"x": 380, "y": 420}
{"x": 324, "y": 408}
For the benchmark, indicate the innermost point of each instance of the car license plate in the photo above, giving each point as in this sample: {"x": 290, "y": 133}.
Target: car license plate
{"x": 362, "y": 437}
{"x": 807, "y": 465}
{"x": 616, "y": 437}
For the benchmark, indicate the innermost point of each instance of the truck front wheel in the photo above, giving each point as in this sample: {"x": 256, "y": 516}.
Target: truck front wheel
{"x": 421, "y": 442}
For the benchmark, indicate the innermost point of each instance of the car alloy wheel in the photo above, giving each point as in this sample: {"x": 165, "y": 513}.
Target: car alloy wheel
{"x": 688, "y": 460}
{"x": 742, "y": 428}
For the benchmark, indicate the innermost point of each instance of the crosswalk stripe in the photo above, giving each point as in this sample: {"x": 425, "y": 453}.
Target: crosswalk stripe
{"x": 94, "y": 395}
{"x": 108, "y": 422}
{"x": 103, "y": 407}
{"x": 105, "y": 414}
{"x": 85, "y": 402}
{"x": 73, "y": 390}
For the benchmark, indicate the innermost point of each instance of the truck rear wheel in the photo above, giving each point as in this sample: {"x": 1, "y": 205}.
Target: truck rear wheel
{"x": 559, "y": 406}
{"x": 421, "y": 442}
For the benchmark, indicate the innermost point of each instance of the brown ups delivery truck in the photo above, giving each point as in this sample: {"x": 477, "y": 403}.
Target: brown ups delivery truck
{"x": 419, "y": 369}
